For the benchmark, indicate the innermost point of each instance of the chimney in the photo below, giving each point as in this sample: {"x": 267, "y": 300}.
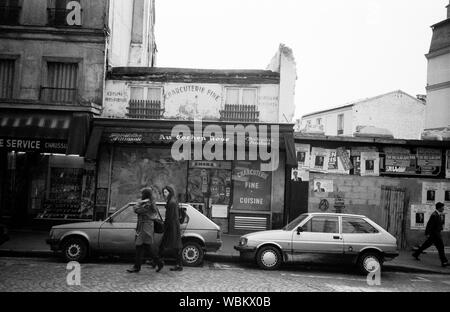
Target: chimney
{"x": 422, "y": 97}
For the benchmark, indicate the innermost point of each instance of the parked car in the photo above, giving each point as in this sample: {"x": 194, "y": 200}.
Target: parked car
{"x": 350, "y": 237}
{"x": 116, "y": 236}
{"x": 4, "y": 237}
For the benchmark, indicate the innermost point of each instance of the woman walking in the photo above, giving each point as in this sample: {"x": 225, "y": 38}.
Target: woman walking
{"x": 171, "y": 240}
{"x": 147, "y": 213}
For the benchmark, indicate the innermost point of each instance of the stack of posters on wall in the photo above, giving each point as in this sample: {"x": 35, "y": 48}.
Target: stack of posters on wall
{"x": 420, "y": 214}
{"x": 301, "y": 173}
{"x": 329, "y": 160}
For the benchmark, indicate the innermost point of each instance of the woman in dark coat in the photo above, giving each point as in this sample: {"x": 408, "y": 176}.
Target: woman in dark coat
{"x": 147, "y": 213}
{"x": 171, "y": 240}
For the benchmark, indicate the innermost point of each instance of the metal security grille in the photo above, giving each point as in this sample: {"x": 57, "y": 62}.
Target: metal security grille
{"x": 246, "y": 113}
{"x": 250, "y": 223}
{"x": 6, "y": 78}
{"x": 61, "y": 83}
{"x": 145, "y": 109}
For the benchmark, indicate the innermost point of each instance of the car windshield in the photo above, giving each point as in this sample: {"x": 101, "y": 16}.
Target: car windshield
{"x": 293, "y": 224}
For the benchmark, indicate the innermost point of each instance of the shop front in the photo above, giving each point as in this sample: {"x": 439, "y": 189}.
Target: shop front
{"x": 41, "y": 171}
{"x": 235, "y": 194}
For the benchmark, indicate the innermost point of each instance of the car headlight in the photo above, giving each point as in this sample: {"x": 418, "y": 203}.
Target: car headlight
{"x": 243, "y": 241}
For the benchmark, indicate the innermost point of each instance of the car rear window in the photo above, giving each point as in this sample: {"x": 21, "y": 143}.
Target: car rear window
{"x": 357, "y": 226}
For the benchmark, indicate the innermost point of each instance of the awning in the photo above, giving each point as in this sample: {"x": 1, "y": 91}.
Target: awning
{"x": 44, "y": 133}
{"x": 291, "y": 159}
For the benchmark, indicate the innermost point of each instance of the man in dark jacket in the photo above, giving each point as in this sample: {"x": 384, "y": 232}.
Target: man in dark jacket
{"x": 433, "y": 231}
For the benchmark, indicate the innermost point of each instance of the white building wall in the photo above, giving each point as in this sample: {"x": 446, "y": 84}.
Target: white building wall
{"x": 438, "y": 99}
{"x": 330, "y": 121}
{"x": 397, "y": 112}
{"x": 199, "y": 100}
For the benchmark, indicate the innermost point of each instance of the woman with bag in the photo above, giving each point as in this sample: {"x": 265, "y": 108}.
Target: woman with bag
{"x": 171, "y": 240}
{"x": 147, "y": 212}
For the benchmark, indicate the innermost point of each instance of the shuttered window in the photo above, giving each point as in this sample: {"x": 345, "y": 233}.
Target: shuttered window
{"x": 61, "y": 82}
{"x": 6, "y": 78}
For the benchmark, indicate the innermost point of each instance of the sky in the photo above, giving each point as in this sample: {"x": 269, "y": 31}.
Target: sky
{"x": 344, "y": 50}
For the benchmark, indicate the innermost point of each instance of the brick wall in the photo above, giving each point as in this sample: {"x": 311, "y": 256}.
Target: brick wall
{"x": 362, "y": 195}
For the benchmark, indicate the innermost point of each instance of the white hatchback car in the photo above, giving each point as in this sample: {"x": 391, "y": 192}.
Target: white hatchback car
{"x": 352, "y": 237}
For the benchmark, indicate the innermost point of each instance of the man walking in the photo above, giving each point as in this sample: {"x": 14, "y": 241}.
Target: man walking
{"x": 433, "y": 231}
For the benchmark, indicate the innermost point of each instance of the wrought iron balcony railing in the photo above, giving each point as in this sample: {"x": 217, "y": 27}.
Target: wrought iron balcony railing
{"x": 58, "y": 95}
{"x": 145, "y": 109}
{"x": 245, "y": 113}
{"x": 9, "y": 15}
{"x": 58, "y": 17}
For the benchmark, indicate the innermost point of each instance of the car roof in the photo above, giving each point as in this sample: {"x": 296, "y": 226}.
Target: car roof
{"x": 335, "y": 214}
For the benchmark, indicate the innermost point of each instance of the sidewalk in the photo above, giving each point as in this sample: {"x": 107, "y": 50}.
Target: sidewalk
{"x": 32, "y": 243}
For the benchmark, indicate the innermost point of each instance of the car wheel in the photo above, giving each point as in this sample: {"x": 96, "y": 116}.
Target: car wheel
{"x": 192, "y": 254}
{"x": 74, "y": 249}
{"x": 369, "y": 262}
{"x": 268, "y": 258}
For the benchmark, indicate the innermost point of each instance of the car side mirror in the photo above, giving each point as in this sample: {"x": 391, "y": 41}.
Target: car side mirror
{"x": 299, "y": 230}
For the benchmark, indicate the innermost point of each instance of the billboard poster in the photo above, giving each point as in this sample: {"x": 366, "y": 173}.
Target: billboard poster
{"x": 429, "y": 161}
{"x": 303, "y": 155}
{"x": 447, "y": 164}
{"x": 344, "y": 157}
{"x": 299, "y": 175}
{"x": 420, "y": 214}
{"x": 432, "y": 193}
{"x": 318, "y": 160}
{"x": 370, "y": 164}
{"x": 322, "y": 186}
{"x": 335, "y": 162}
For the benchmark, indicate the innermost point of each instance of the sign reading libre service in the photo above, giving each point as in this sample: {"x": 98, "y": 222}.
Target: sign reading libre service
{"x": 252, "y": 187}
{"x": 32, "y": 144}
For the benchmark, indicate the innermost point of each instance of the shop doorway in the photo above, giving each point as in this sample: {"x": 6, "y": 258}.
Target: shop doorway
{"x": 209, "y": 189}
{"x": 394, "y": 211}
{"x": 297, "y": 199}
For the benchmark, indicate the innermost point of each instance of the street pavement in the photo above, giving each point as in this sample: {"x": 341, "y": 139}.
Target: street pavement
{"x": 109, "y": 275}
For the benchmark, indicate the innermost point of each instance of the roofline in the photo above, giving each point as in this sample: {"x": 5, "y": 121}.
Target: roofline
{"x": 441, "y": 23}
{"x": 361, "y": 101}
{"x": 298, "y": 137}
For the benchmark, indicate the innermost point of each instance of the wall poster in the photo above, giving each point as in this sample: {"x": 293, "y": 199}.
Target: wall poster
{"x": 303, "y": 155}
{"x": 299, "y": 175}
{"x": 318, "y": 160}
{"x": 420, "y": 214}
{"x": 432, "y": 192}
{"x": 447, "y": 164}
{"x": 323, "y": 186}
{"x": 370, "y": 164}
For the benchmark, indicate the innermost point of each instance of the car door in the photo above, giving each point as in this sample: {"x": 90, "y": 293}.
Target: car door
{"x": 318, "y": 235}
{"x": 118, "y": 235}
{"x": 357, "y": 233}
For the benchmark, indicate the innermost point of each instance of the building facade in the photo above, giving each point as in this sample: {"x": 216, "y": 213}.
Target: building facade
{"x": 394, "y": 182}
{"x": 438, "y": 76}
{"x": 52, "y": 69}
{"x": 134, "y": 140}
{"x": 399, "y": 113}
{"x": 132, "y": 38}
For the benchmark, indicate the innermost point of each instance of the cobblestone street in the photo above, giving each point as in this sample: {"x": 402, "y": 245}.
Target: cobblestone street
{"x": 49, "y": 274}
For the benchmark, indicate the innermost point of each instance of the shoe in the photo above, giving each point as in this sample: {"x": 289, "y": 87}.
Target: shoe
{"x": 177, "y": 268}
{"x": 133, "y": 270}
{"x": 160, "y": 266}
{"x": 445, "y": 264}
{"x": 151, "y": 263}
{"x": 416, "y": 256}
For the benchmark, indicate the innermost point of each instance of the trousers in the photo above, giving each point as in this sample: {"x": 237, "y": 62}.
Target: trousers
{"x": 140, "y": 251}
{"x": 435, "y": 240}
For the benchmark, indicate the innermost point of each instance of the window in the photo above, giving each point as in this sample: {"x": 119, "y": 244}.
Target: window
{"x": 240, "y": 96}
{"x": 319, "y": 121}
{"x": 9, "y": 12}
{"x": 340, "y": 124}
{"x": 7, "y": 67}
{"x": 321, "y": 224}
{"x": 126, "y": 216}
{"x": 356, "y": 225}
{"x": 308, "y": 123}
{"x": 62, "y": 82}
{"x": 145, "y": 102}
{"x": 138, "y": 21}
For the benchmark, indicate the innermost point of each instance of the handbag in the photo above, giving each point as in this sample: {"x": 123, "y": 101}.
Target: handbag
{"x": 158, "y": 224}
